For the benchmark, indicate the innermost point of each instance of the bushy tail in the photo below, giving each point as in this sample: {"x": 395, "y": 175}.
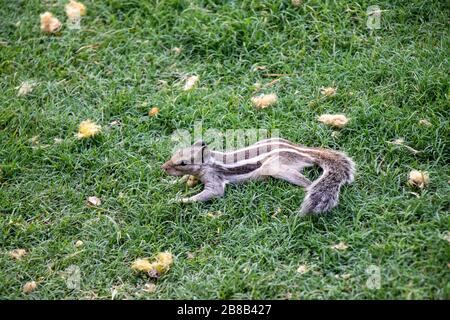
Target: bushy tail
{"x": 323, "y": 194}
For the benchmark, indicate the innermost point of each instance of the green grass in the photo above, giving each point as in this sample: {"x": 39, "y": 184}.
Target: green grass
{"x": 387, "y": 79}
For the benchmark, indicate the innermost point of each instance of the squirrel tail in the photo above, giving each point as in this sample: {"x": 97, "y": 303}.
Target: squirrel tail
{"x": 323, "y": 194}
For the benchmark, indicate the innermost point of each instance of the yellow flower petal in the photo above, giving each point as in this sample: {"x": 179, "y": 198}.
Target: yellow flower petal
{"x": 162, "y": 264}
{"x": 88, "y": 129}
{"x": 153, "y": 111}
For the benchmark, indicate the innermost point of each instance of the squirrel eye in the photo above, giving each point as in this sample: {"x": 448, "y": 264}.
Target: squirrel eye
{"x": 182, "y": 163}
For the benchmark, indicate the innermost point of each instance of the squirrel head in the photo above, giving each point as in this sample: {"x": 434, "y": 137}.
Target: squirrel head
{"x": 188, "y": 160}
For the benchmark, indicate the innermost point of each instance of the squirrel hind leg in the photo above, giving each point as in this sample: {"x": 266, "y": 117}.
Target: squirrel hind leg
{"x": 293, "y": 176}
{"x": 285, "y": 173}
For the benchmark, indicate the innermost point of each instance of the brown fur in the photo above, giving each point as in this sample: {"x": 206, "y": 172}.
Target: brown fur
{"x": 277, "y": 158}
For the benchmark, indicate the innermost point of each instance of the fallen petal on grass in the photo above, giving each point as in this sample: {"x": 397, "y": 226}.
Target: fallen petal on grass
{"x": 190, "y": 255}
{"x": 149, "y": 287}
{"x": 79, "y": 244}
{"x": 264, "y": 100}
{"x": 26, "y": 88}
{"x": 328, "y": 91}
{"x": 35, "y": 140}
{"x": 141, "y": 265}
{"x": 335, "y": 134}
{"x": 177, "y": 50}
{"x": 190, "y": 82}
{"x": 303, "y": 268}
{"x": 94, "y": 201}
{"x": 153, "y": 111}
{"x": 29, "y": 287}
{"x": 17, "y": 254}
{"x": 425, "y": 122}
{"x": 49, "y": 23}
{"x": 88, "y": 129}
{"x": 115, "y": 123}
{"x": 419, "y": 178}
{"x": 165, "y": 259}
{"x": 340, "y": 246}
{"x": 75, "y": 10}
{"x": 334, "y": 120}
{"x": 155, "y": 269}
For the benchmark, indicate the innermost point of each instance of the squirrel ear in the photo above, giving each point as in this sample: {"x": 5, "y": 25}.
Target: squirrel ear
{"x": 200, "y": 143}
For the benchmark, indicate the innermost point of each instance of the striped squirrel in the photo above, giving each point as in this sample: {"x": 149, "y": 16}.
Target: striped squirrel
{"x": 275, "y": 157}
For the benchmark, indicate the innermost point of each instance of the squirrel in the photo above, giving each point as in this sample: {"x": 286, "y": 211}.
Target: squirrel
{"x": 274, "y": 157}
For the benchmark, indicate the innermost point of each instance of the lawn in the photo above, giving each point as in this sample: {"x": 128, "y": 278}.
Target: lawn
{"x": 122, "y": 62}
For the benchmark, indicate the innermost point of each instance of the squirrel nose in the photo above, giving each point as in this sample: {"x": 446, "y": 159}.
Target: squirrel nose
{"x": 166, "y": 165}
